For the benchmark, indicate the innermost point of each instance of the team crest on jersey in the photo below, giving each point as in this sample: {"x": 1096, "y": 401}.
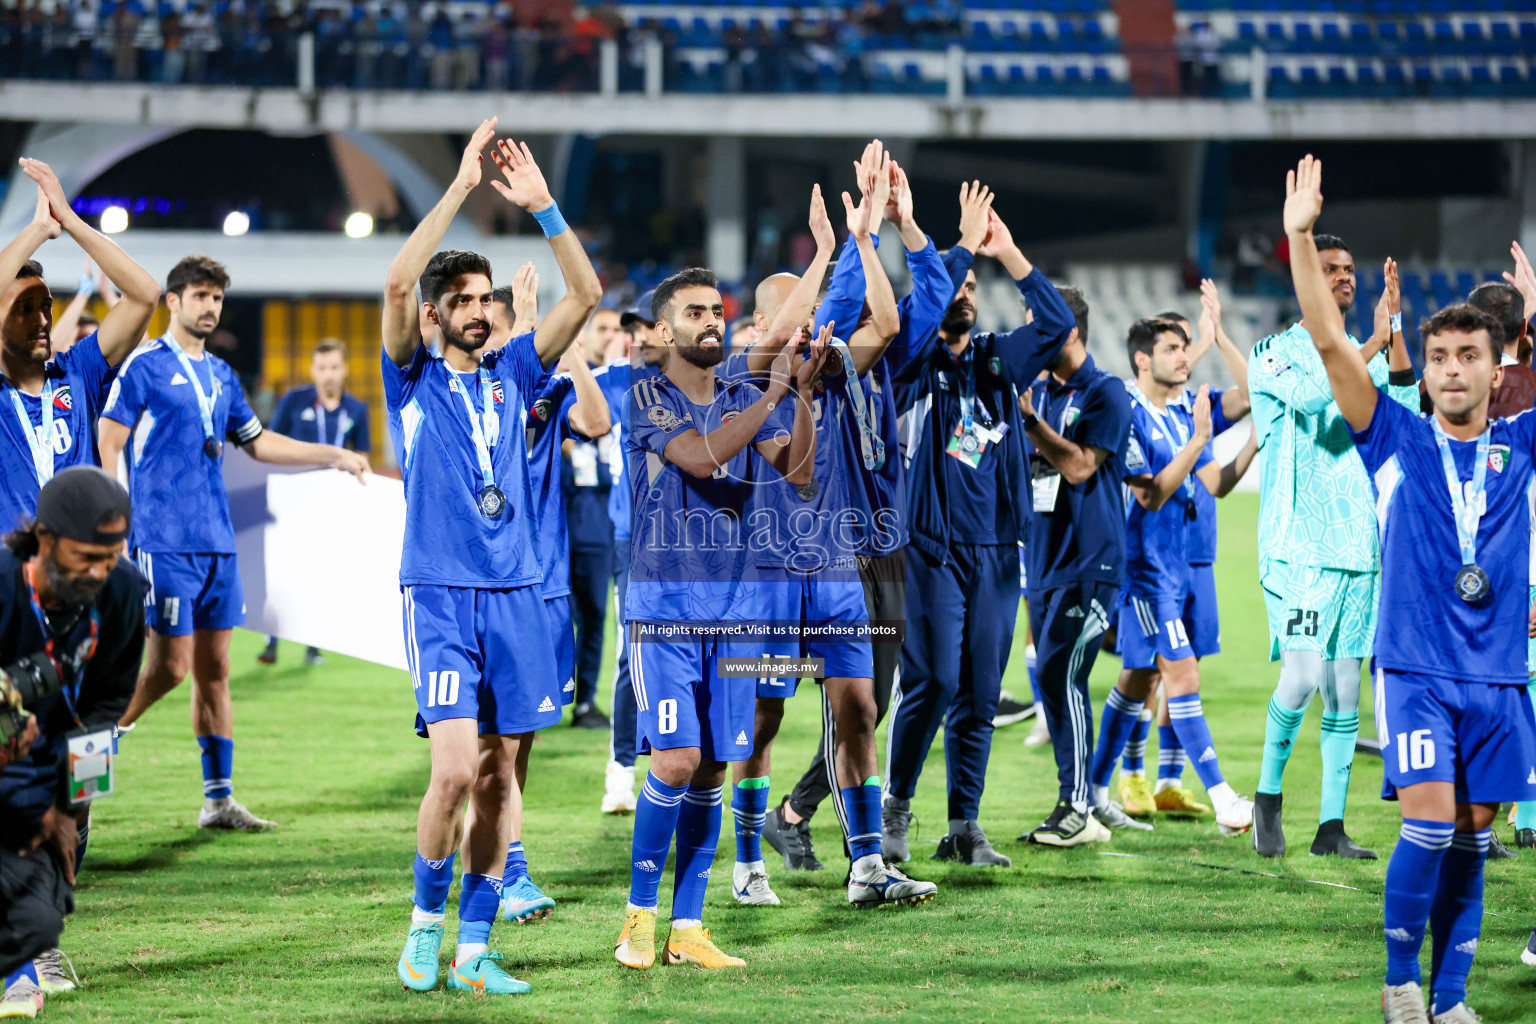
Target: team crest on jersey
{"x": 663, "y": 418}
{"x": 62, "y": 399}
{"x": 1498, "y": 457}
{"x": 496, "y": 393}
{"x": 1072, "y": 415}
{"x": 728, "y": 416}
{"x": 541, "y": 409}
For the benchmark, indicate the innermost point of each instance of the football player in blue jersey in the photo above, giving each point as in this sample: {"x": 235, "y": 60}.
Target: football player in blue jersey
{"x": 692, "y": 592}
{"x": 1453, "y": 502}
{"x": 876, "y": 485}
{"x": 52, "y": 399}
{"x": 179, "y": 403}
{"x": 1167, "y": 458}
{"x": 805, "y": 544}
{"x": 477, "y": 634}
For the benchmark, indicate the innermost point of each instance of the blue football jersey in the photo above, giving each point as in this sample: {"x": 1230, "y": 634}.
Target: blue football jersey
{"x": 1202, "y": 541}
{"x": 1423, "y": 626}
{"x": 616, "y": 379}
{"x": 688, "y": 556}
{"x": 549, "y": 424}
{"x": 1157, "y": 543}
{"x": 301, "y": 416}
{"x": 811, "y": 526}
{"x": 179, "y": 503}
{"x": 77, "y": 385}
{"x": 448, "y": 542}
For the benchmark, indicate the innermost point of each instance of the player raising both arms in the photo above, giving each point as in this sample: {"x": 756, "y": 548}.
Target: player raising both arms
{"x": 1453, "y": 501}
{"x": 687, "y": 437}
{"x": 477, "y": 635}
{"x": 185, "y": 402}
{"x": 52, "y": 399}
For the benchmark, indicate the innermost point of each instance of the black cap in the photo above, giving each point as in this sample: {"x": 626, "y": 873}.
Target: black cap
{"x": 640, "y": 311}
{"x": 78, "y": 500}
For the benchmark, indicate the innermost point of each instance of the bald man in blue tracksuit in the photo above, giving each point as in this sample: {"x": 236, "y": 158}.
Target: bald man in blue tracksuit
{"x": 968, "y": 512}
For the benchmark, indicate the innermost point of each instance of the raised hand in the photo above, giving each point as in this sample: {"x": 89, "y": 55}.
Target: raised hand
{"x": 525, "y": 299}
{"x": 1303, "y": 195}
{"x": 999, "y": 239}
{"x": 1210, "y": 299}
{"x": 898, "y": 205}
{"x": 525, "y": 185}
{"x": 815, "y": 358}
{"x": 880, "y": 191}
{"x": 48, "y": 183}
{"x": 1524, "y": 278}
{"x": 859, "y": 216}
{"x": 469, "y": 164}
{"x": 821, "y": 224}
{"x": 42, "y": 216}
{"x": 975, "y": 204}
{"x": 1203, "y": 414}
{"x": 1391, "y": 300}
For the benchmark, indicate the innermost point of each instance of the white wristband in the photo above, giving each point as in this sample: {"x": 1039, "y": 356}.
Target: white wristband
{"x": 1397, "y": 323}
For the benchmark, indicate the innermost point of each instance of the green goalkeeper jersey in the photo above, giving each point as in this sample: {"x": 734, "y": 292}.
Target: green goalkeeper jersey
{"x": 1316, "y": 504}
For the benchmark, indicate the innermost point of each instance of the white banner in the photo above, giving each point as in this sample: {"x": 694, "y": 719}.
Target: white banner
{"x": 319, "y": 556}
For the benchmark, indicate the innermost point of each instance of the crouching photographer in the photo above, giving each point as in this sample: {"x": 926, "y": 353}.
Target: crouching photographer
{"x": 71, "y": 639}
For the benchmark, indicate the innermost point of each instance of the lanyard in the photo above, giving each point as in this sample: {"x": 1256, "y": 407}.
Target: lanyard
{"x": 476, "y": 433}
{"x": 871, "y": 444}
{"x": 1467, "y": 505}
{"x": 205, "y": 402}
{"x": 71, "y": 694}
{"x": 39, "y": 441}
{"x": 1066, "y": 410}
{"x": 970, "y": 401}
{"x": 1172, "y": 428}
{"x": 341, "y": 423}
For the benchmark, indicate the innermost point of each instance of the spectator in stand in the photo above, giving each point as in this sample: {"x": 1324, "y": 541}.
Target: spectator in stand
{"x": 172, "y": 52}
{"x": 85, "y": 39}
{"x": 1207, "y": 50}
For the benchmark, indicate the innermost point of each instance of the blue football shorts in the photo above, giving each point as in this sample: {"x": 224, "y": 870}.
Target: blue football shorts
{"x": 481, "y": 654}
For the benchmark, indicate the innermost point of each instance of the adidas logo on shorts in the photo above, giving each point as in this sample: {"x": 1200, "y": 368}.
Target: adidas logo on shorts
{"x": 1530, "y": 780}
{"x": 741, "y": 738}
{"x": 570, "y": 685}
{"x": 546, "y": 705}
{"x": 647, "y": 865}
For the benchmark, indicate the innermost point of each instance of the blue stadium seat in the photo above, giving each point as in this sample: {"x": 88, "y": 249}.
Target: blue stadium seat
{"x": 1390, "y": 33}
{"x": 1465, "y": 282}
{"x": 1017, "y": 82}
{"x": 1362, "y": 42}
{"x": 1303, "y": 41}
{"x": 1473, "y": 40}
{"x": 1274, "y": 35}
{"x": 1501, "y": 41}
{"x": 986, "y": 83}
{"x": 1332, "y": 38}
{"x": 1367, "y": 82}
{"x": 1482, "y": 83}
{"x": 1440, "y": 288}
{"x": 1415, "y": 39}
{"x": 1395, "y": 78}
{"x": 1338, "y": 81}
{"x": 1247, "y": 34}
{"x": 1452, "y": 82}
{"x": 1280, "y": 87}
{"x": 1445, "y": 37}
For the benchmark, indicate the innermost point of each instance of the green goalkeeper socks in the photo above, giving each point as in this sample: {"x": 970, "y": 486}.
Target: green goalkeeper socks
{"x": 1340, "y": 730}
{"x": 1279, "y": 737}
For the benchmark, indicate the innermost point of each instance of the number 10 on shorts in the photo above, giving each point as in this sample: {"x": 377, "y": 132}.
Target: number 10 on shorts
{"x": 442, "y": 689}
{"x": 1415, "y": 750}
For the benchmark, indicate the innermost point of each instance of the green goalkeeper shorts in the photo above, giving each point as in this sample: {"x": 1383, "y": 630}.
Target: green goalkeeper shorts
{"x": 1330, "y": 611}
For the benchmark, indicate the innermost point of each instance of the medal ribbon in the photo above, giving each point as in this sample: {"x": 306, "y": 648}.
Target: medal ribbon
{"x": 204, "y": 402}
{"x": 871, "y": 444}
{"x": 1172, "y": 428}
{"x": 341, "y": 423}
{"x": 1466, "y": 506}
{"x": 42, "y": 450}
{"x": 482, "y": 450}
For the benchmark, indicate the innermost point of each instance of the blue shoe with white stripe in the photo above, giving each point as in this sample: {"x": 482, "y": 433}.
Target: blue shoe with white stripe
{"x": 879, "y": 884}
{"x": 523, "y": 901}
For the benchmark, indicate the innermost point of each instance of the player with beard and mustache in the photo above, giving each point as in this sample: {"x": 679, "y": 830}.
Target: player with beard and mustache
{"x": 692, "y": 591}
{"x": 968, "y": 506}
{"x": 478, "y": 643}
{"x": 185, "y": 402}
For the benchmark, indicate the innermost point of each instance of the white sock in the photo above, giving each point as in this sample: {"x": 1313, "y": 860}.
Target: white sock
{"x": 421, "y": 917}
{"x": 868, "y": 866}
{"x": 1100, "y": 797}
{"x": 1163, "y": 784}
{"x": 684, "y": 922}
{"x": 629, "y": 907}
{"x": 756, "y": 865}
{"x": 467, "y": 950}
{"x": 1222, "y": 796}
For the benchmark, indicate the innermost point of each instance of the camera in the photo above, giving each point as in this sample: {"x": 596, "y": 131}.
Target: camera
{"x": 24, "y": 683}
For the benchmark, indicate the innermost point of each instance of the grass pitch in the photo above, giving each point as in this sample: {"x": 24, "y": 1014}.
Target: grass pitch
{"x": 305, "y": 924}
